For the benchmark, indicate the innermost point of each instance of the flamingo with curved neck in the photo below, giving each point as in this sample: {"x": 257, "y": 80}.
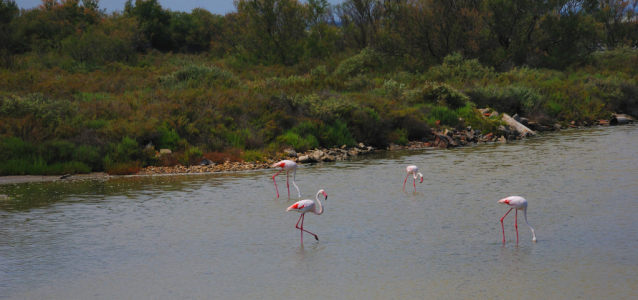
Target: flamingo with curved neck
{"x": 517, "y": 203}
{"x": 286, "y": 165}
{"x": 304, "y": 206}
{"x": 415, "y": 172}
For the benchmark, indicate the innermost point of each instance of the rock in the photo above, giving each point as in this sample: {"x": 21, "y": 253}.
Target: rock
{"x": 206, "y": 162}
{"x": 394, "y": 147}
{"x": 65, "y": 176}
{"x": 511, "y": 137}
{"x": 524, "y": 121}
{"x": 370, "y": 148}
{"x": 361, "y": 145}
{"x": 469, "y": 135}
{"x": 448, "y": 133}
{"x": 494, "y": 114}
{"x": 488, "y": 137}
{"x": 517, "y": 118}
{"x": 557, "y": 126}
{"x": 149, "y": 146}
{"x": 328, "y": 158}
{"x": 477, "y": 132}
{"x": 291, "y": 152}
{"x": 343, "y": 147}
{"x": 165, "y": 151}
{"x": 4, "y": 197}
{"x": 504, "y": 129}
{"x": 317, "y": 155}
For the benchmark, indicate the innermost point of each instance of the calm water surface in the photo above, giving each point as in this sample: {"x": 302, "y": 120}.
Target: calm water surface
{"x": 226, "y": 236}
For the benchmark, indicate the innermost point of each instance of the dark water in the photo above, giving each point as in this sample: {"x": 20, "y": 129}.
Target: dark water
{"x": 226, "y": 236}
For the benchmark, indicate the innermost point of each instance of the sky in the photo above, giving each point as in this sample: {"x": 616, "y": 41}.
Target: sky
{"x": 214, "y": 6}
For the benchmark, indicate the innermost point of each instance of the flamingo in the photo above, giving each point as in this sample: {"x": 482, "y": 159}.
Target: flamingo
{"x": 287, "y": 165}
{"x": 304, "y": 206}
{"x": 517, "y": 203}
{"x": 415, "y": 172}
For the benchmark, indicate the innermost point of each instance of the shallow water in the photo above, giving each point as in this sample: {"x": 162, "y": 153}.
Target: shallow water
{"x": 227, "y": 236}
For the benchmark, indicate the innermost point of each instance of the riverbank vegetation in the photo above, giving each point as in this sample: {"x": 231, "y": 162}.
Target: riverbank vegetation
{"x": 82, "y": 90}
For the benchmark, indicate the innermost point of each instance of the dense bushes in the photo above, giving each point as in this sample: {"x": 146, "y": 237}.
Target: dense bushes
{"x": 81, "y": 90}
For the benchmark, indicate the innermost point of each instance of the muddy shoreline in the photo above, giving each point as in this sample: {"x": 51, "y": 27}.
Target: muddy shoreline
{"x": 440, "y": 140}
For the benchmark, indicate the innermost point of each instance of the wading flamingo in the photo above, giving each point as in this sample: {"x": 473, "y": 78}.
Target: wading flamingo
{"x": 517, "y": 203}
{"x": 415, "y": 172}
{"x": 286, "y": 165}
{"x": 304, "y": 206}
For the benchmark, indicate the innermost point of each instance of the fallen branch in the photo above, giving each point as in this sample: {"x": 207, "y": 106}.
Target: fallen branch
{"x": 520, "y": 128}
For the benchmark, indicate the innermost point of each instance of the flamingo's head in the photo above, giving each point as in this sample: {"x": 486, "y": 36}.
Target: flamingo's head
{"x": 421, "y": 179}
{"x": 504, "y": 200}
{"x": 324, "y": 193}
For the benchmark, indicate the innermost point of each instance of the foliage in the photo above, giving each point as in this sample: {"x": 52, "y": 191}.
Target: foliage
{"x": 79, "y": 87}
{"x": 509, "y": 99}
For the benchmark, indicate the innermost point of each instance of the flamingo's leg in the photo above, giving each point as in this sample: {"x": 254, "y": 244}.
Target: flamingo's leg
{"x": 406, "y": 180}
{"x": 316, "y": 237}
{"x": 273, "y": 180}
{"x": 288, "y": 184}
{"x": 516, "y": 224}
{"x": 504, "y": 226}
{"x": 415, "y": 184}
{"x": 297, "y": 225}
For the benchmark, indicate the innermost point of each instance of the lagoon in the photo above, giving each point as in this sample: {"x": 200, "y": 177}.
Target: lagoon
{"x": 227, "y": 236}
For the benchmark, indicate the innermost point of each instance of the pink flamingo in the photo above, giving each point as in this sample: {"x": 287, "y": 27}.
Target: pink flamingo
{"x": 286, "y": 165}
{"x": 517, "y": 203}
{"x": 415, "y": 172}
{"x": 304, "y": 206}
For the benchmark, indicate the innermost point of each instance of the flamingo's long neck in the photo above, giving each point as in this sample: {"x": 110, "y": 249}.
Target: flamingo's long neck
{"x": 530, "y": 227}
{"x": 319, "y": 206}
{"x": 293, "y": 181}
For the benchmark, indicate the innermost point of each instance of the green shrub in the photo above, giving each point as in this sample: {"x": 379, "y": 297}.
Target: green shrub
{"x": 89, "y": 155}
{"x": 365, "y": 61}
{"x": 191, "y": 156}
{"x": 197, "y": 74}
{"x": 444, "y": 95}
{"x": 399, "y": 137}
{"x": 325, "y": 107}
{"x": 298, "y": 142}
{"x": 455, "y": 68}
{"x": 124, "y": 152}
{"x": 254, "y": 155}
{"x": 474, "y": 118}
{"x": 509, "y": 99}
{"x": 40, "y": 167}
{"x": 50, "y": 111}
{"x": 337, "y": 135}
{"x": 445, "y": 115}
{"x": 168, "y": 139}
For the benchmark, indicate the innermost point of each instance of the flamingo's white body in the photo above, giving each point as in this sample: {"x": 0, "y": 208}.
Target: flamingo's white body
{"x": 304, "y": 206}
{"x": 286, "y": 165}
{"x": 517, "y": 203}
{"x": 415, "y": 173}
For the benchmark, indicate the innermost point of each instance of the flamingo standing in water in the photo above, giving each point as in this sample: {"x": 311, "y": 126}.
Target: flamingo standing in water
{"x": 286, "y": 165}
{"x": 517, "y": 203}
{"x": 415, "y": 172}
{"x": 304, "y": 206}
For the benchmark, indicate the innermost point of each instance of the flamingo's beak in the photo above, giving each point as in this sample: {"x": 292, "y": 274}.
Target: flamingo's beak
{"x": 324, "y": 193}
{"x": 421, "y": 180}
{"x": 505, "y": 200}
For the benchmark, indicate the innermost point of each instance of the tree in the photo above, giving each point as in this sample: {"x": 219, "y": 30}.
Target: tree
{"x": 8, "y": 11}
{"x": 155, "y": 22}
{"x": 275, "y": 29}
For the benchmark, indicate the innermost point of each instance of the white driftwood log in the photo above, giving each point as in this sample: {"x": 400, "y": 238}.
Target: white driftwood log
{"x": 520, "y": 128}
